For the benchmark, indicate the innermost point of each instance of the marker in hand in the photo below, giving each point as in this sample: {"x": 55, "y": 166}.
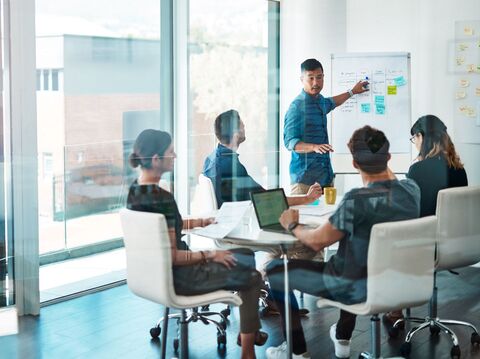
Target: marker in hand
{"x": 365, "y": 83}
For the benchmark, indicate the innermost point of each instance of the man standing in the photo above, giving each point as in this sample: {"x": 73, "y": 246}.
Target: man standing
{"x": 305, "y": 129}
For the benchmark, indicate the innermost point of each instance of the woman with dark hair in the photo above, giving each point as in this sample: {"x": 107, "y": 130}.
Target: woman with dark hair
{"x": 438, "y": 167}
{"x": 194, "y": 272}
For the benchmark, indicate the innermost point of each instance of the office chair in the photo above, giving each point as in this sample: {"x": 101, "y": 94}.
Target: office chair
{"x": 204, "y": 200}
{"x": 150, "y": 276}
{"x": 458, "y": 245}
{"x": 398, "y": 253}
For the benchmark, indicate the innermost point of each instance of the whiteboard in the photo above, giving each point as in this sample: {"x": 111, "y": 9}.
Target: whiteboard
{"x": 387, "y": 106}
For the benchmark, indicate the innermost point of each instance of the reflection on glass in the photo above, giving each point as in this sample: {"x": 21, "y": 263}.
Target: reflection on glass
{"x": 228, "y": 60}
{"x": 98, "y": 81}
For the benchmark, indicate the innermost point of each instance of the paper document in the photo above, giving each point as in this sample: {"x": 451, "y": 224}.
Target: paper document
{"x": 317, "y": 211}
{"x": 228, "y": 217}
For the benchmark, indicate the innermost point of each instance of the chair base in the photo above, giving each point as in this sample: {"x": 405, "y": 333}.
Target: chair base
{"x": 436, "y": 325}
{"x": 183, "y": 319}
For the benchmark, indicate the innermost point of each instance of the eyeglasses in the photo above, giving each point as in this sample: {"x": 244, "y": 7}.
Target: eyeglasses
{"x": 412, "y": 139}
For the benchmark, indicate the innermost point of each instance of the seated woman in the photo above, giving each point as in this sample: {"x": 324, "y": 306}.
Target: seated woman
{"x": 194, "y": 272}
{"x": 438, "y": 167}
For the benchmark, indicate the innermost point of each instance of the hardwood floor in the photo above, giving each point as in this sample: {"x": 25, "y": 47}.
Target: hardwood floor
{"x": 115, "y": 324}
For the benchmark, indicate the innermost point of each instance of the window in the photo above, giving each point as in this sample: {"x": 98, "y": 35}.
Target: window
{"x": 229, "y": 69}
{"x": 46, "y": 80}
{"x": 54, "y": 80}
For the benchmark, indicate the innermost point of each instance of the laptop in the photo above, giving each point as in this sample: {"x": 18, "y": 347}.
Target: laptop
{"x": 269, "y": 205}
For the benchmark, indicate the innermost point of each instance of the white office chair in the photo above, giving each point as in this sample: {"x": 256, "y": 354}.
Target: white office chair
{"x": 149, "y": 275}
{"x": 204, "y": 200}
{"x": 399, "y": 253}
{"x": 458, "y": 245}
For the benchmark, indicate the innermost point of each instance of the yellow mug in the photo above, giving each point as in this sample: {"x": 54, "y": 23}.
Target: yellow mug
{"x": 330, "y": 194}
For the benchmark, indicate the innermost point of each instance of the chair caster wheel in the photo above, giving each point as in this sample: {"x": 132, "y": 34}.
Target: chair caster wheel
{"x": 226, "y": 312}
{"x": 223, "y": 324}
{"x": 475, "y": 338}
{"x": 434, "y": 330}
{"x": 221, "y": 339}
{"x": 155, "y": 332}
{"x": 455, "y": 352}
{"x": 405, "y": 349}
{"x": 175, "y": 345}
{"x": 393, "y": 332}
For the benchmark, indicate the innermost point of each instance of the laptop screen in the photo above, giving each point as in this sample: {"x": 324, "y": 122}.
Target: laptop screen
{"x": 269, "y": 205}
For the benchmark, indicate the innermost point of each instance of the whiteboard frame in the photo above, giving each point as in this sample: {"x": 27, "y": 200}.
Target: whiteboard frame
{"x": 400, "y": 162}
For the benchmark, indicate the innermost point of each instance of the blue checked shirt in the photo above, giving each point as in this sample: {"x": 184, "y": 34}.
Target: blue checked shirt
{"x": 306, "y": 121}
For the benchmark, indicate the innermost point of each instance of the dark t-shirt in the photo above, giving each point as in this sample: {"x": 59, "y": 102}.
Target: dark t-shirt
{"x": 152, "y": 198}
{"x": 345, "y": 274}
{"x": 230, "y": 178}
{"x": 433, "y": 175}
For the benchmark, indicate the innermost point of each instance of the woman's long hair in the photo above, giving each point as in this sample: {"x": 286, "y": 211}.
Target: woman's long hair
{"x": 436, "y": 141}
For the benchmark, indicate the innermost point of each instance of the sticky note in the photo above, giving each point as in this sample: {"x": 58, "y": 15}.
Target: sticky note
{"x": 462, "y": 47}
{"x": 392, "y": 90}
{"x": 470, "y": 68}
{"x": 464, "y": 83}
{"x": 460, "y": 61}
{"x": 468, "y": 30}
{"x": 460, "y": 95}
{"x": 379, "y": 100}
{"x": 399, "y": 81}
{"x": 379, "y": 109}
{"x": 477, "y": 91}
{"x": 365, "y": 107}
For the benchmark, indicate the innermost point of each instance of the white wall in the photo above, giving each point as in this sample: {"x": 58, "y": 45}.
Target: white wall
{"x": 423, "y": 28}
{"x": 308, "y": 28}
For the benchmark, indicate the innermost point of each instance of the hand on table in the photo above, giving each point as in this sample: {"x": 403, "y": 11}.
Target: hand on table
{"x": 289, "y": 216}
{"x": 314, "y": 192}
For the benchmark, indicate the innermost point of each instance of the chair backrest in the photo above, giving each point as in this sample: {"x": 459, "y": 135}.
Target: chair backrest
{"x": 401, "y": 256}
{"x": 458, "y": 230}
{"x": 204, "y": 200}
{"x": 149, "y": 259}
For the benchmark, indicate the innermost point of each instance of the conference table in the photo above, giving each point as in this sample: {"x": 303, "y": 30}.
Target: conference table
{"x": 248, "y": 234}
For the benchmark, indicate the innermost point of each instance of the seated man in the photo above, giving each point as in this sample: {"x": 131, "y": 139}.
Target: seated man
{"x": 230, "y": 178}
{"x": 344, "y": 277}
{"x": 232, "y": 182}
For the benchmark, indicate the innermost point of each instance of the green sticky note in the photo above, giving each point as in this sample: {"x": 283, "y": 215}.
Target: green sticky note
{"x": 380, "y": 109}
{"x": 365, "y": 107}
{"x": 392, "y": 90}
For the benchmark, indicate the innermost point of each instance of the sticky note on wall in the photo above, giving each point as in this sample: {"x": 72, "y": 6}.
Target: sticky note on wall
{"x": 392, "y": 90}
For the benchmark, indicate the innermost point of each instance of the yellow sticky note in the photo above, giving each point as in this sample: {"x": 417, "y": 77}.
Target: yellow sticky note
{"x": 462, "y": 47}
{"x": 460, "y": 95}
{"x": 464, "y": 83}
{"x": 477, "y": 91}
{"x": 392, "y": 90}
{"x": 468, "y": 31}
{"x": 460, "y": 61}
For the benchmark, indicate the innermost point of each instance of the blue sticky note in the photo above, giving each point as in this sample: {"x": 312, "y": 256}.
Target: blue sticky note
{"x": 399, "y": 81}
{"x": 379, "y": 100}
{"x": 365, "y": 108}
{"x": 315, "y": 203}
{"x": 379, "y": 109}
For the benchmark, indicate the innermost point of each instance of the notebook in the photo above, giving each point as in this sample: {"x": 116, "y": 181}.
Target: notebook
{"x": 269, "y": 205}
